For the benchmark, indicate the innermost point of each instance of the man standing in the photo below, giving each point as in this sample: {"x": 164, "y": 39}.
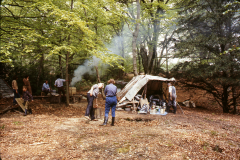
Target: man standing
{"x": 59, "y": 85}
{"x": 111, "y": 101}
{"x": 45, "y": 88}
{"x": 172, "y": 98}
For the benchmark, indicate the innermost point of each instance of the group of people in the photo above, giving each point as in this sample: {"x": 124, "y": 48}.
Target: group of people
{"x": 110, "y": 93}
{"x": 111, "y": 100}
{"x": 58, "y": 83}
{"x": 27, "y": 93}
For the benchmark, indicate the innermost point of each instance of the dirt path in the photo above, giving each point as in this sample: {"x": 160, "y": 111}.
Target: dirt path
{"x": 58, "y": 132}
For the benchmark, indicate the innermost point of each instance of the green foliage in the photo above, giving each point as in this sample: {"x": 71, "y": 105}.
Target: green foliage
{"x": 84, "y": 85}
{"x": 30, "y": 28}
{"x": 128, "y": 64}
{"x": 37, "y": 35}
{"x": 209, "y": 37}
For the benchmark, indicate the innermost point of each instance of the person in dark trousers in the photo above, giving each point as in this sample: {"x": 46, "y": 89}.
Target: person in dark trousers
{"x": 15, "y": 90}
{"x": 26, "y": 97}
{"x": 59, "y": 85}
{"x": 111, "y": 101}
{"x": 172, "y": 98}
{"x": 91, "y": 95}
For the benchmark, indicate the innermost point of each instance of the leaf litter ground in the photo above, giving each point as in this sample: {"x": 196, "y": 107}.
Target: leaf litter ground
{"x": 55, "y": 131}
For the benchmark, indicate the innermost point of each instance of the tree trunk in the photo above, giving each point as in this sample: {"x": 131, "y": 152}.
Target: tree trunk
{"x": 67, "y": 83}
{"x": 60, "y": 64}
{"x": 167, "y": 63}
{"x": 139, "y": 61}
{"x": 143, "y": 53}
{"x": 234, "y": 99}
{"x": 99, "y": 81}
{"x": 41, "y": 69}
{"x": 98, "y": 77}
{"x": 134, "y": 40}
{"x": 225, "y": 100}
{"x": 67, "y": 58}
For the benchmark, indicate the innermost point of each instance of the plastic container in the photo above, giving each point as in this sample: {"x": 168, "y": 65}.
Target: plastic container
{"x": 162, "y": 111}
{"x": 153, "y": 111}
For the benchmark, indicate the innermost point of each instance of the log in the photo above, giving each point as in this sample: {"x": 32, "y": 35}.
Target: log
{"x": 9, "y": 108}
{"x": 41, "y": 96}
{"x": 55, "y": 99}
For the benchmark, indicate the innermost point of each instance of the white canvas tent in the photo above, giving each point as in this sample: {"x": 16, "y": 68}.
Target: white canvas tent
{"x": 137, "y": 83}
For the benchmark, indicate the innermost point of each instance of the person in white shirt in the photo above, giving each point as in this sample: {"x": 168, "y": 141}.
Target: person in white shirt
{"x": 59, "y": 85}
{"x": 172, "y": 98}
{"x": 91, "y": 95}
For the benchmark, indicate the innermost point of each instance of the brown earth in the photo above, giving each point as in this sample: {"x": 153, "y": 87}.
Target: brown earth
{"x": 55, "y": 131}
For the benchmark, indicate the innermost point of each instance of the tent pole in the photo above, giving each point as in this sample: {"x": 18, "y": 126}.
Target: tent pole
{"x": 180, "y": 108}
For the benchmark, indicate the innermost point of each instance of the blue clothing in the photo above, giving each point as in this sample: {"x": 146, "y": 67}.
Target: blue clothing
{"x": 110, "y": 90}
{"x": 111, "y": 102}
{"x": 16, "y": 95}
{"x": 45, "y": 87}
{"x": 59, "y": 82}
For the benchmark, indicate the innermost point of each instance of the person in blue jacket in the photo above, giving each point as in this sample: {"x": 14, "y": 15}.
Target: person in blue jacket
{"x": 111, "y": 101}
{"x": 45, "y": 88}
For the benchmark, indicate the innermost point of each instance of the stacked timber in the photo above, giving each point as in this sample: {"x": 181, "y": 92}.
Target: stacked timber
{"x": 5, "y": 90}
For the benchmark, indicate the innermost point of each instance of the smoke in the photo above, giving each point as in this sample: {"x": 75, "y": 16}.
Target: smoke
{"x": 119, "y": 45}
{"x": 87, "y": 67}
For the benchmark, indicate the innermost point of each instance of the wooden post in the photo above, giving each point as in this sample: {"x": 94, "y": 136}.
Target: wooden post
{"x": 145, "y": 92}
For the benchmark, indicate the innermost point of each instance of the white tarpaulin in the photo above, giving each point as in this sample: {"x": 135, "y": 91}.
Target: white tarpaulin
{"x": 141, "y": 83}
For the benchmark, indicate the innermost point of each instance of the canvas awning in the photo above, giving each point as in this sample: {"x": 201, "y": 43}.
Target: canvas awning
{"x": 136, "y": 84}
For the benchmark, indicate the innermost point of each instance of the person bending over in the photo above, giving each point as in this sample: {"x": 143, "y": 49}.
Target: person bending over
{"x": 111, "y": 101}
{"x": 91, "y": 95}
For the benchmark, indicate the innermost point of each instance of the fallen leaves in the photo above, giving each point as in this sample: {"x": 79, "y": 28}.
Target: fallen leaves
{"x": 59, "y": 132}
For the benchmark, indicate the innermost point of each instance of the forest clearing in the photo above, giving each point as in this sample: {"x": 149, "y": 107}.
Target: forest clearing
{"x": 165, "y": 75}
{"x": 55, "y": 131}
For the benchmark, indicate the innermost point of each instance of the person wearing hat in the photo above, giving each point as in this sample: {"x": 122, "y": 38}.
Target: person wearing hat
{"x": 111, "y": 101}
{"x": 91, "y": 95}
{"x": 172, "y": 98}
